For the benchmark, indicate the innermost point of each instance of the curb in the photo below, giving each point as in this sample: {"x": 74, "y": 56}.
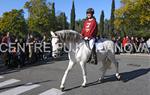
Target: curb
{"x": 128, "y": 54}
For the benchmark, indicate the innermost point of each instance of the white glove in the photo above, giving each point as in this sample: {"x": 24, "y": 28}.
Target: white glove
{"x": 86, "y": 38}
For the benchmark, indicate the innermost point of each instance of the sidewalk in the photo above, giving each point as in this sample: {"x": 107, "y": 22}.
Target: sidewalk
{"x": 135, "y": 54}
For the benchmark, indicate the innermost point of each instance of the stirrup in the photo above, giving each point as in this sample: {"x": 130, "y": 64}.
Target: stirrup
{"x": 93, "y": 61}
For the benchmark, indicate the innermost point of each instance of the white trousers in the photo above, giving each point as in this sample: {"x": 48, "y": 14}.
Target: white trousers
{"x": 92, "y": 42}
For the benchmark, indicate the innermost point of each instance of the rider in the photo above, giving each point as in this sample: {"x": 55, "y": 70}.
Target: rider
{"x": 89, "y": 32}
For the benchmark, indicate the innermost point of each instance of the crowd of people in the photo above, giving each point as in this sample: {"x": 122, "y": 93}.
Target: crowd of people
{"x": 18, "y": 57}
{"x": 132, "y": 45}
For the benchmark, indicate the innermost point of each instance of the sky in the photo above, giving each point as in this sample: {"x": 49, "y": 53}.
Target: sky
{"x": 65, "y": 6}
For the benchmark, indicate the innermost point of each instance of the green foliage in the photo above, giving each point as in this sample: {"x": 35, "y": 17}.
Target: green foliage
{"x": 101, "y": 24}
{"x": 53, "y": 18}
{"x": 62, "y": 21}
{"x": 112, "y": 19}
{"x": 41, "y": 16}
{"x": 79, "y": 25}
{"x": 72, "y": 22}
{"x": 65, "y": 24}
{"x": 107, "y": 33}
{"x": 13, "y": 22}
{"x": 133, "y": 17}
{"x": 143, "y": 33}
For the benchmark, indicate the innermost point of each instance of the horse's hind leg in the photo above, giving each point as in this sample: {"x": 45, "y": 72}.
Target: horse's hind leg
{"x": 117, "y": 70}
{"x": 71, "y": 64}
{"x": 114, "y": 61}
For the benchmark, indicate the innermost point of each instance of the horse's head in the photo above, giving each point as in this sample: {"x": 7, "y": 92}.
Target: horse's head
{"x": 56, "y": 45}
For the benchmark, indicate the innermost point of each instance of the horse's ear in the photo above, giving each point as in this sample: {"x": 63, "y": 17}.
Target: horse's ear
{"x": 53, "y": 34}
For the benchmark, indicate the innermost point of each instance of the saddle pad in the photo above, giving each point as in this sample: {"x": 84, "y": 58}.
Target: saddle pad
{"x": 99, "y": 46}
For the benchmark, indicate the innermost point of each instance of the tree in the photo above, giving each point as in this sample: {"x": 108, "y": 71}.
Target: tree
{"x": 72, "y": 20}
{"x": 62, "y": 21}
{"x": 53, "y": 18}
{"x": 79, "y": 25}
{"x": 133, "y": 16}
{"x": 39, "y": 16}
{"x": 13, "y": 22}
{"x": 106, "y": 28}
{"x": 101, "y": 24}
{"x": 112, "y": 18}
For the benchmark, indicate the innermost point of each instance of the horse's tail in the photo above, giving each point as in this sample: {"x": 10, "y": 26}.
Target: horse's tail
{"x": 109, "y": 46}
{"x": 110, "y": 49}
{"x": 108, "y": 63}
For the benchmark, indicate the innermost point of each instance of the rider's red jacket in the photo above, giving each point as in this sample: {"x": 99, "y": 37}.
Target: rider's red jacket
{"x": 90, "y": 28}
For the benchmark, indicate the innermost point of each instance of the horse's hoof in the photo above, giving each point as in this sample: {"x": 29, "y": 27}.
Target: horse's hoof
{"x": 83, "y": 85}
{"x": 62, "y": 89}
{"x": 118, "y": 78}
{"x": 101, "y": 80}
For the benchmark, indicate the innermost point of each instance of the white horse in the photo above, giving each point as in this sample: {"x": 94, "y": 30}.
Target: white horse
{"x": 79, "y": 52}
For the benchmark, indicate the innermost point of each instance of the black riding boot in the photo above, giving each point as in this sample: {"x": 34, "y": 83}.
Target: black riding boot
{"x": 94, "y": 56}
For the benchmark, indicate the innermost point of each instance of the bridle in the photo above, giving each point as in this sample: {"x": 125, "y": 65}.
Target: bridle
{"x": 56, "y": 51}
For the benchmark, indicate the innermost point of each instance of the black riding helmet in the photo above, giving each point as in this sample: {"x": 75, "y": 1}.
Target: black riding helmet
{"x": 90, "y": 10}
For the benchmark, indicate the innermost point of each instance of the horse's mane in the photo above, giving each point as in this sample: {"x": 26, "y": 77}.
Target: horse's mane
{"x": 69, "y": 36}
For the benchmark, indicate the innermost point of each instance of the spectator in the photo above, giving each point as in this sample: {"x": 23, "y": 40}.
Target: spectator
{"x": 6, "y": 55}
{"x": 137, "y": 42}
{"x": 142, "y": 41}
{"x": 118, "y": 42}
{"x": 114, "y": 39}
{"x": 148, "y": 44}
{"x": 125, "y": 41}
{"x": 132, "y": 41}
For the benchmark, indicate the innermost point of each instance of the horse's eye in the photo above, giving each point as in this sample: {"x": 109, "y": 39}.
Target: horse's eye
{"x": 59, "y": 45}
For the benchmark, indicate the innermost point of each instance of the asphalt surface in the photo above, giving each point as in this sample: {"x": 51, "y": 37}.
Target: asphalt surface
{"x": 45, "y": 78}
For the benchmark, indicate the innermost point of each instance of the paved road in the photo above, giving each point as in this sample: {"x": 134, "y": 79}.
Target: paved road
{"x": 45, "y": 79}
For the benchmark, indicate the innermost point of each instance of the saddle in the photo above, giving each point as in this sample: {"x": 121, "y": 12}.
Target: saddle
{"x": 98, "y": 47}
{"x": 93, "y": 57}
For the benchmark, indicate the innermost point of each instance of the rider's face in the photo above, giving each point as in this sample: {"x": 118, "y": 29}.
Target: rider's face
{"x": 7, "y": 34}
{"x": 89, "y": 15}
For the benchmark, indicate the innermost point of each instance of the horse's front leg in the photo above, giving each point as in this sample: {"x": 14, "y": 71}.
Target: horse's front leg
{"x": 101, "y": 79}
{"x": 83, "y": 67}
{"x": 71, "y": 63}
